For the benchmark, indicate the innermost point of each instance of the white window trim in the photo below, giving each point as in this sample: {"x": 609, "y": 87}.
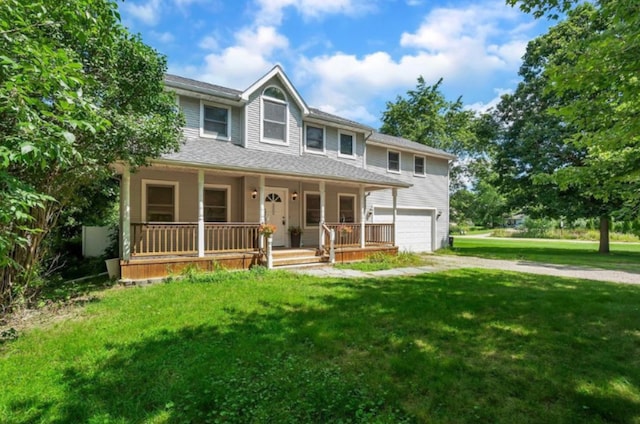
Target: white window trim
{"x": 393, "y": 171}
{"x": 355, "y": 207}
{"x": 228, "y": 190}
{"x": 353, "y": 144}
{"x": 324, "y": 140}
{"x": 176, "y": 190}
{"x": 204, "y": 134}
{"x": 304, "y": 209}
{"x": 424, "y": 166}
{"x": 263, "y": 139}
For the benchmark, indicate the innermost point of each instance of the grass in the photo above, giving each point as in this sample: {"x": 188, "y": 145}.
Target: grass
{"x": 462, "y": 346}
{"x": 623, "y": 256}
{"x": 382, "y": 261}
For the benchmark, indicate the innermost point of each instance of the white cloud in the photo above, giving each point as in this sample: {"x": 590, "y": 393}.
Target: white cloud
{"x": 271, "y": 11}
{"x": 482, "y": 107}
{"x": 209, "y": 43}
{"x": 163, "y": 37}
{"x": 240, "y": 65}
{"x": 465, "y": 46}
{"x": 148, "y": 12}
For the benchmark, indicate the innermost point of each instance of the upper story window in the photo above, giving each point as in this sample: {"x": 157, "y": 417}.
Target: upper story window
{"x": 274, "y": 115}
{"x": 347, "y": 145}
{"x": 418, "y": 166}
{"x": 393, "y": 161}
{"x": 215, "y": 121}
{"x": 314, "y": 138}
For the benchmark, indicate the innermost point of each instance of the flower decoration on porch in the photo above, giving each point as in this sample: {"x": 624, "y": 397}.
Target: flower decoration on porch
{"x": 344, "y": 230}
{"x": 295, "y": 230}
{"x": 266, "y": 229}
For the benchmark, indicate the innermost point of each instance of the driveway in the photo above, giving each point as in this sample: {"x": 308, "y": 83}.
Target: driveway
{"x": 446, "y": 262}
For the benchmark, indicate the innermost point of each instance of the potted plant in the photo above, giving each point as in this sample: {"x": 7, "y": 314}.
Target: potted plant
{"x": 295, "y": 232}
{"x": 267, "y": 229}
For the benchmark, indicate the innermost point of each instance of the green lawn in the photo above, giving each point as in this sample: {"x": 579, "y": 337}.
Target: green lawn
{"x": 623, "y": 256}
{"x": 462, "y": 346}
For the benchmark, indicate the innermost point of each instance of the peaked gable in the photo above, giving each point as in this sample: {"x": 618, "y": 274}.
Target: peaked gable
{"x": 277, "y": 72}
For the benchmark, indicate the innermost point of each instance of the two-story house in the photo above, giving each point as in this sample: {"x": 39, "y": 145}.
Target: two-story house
{"x": 262, "y": 155}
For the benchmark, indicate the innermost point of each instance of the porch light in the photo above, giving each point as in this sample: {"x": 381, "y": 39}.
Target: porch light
{"x": 439, "y": 214}
{"x": 254, "y": 193}
{"x": 294, "y": 196}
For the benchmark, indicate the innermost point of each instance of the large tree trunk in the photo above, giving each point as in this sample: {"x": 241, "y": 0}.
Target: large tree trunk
{"x": 604, "y": 234}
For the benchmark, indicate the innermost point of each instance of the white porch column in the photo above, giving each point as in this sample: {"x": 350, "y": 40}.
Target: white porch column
{"x": 261, "y": 206}
{"x": 322, "y": 200}
{"x": 201, "y": 213}
{"x": 126, "y": 213}
{"x": 363, "y": 216}
{"x": 395, "y": 214}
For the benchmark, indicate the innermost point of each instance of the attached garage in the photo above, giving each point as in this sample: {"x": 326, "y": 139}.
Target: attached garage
{"x": 415, "y": 228}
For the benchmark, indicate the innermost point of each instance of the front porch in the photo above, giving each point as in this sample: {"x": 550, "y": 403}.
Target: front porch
{"x": 163, "y": 249}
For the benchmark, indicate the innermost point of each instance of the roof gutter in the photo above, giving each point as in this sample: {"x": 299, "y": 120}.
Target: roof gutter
{"x": 443, "y": 155}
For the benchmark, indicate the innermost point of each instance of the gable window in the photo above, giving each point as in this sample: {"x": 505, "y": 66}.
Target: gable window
{"x": 314, "y": 138}
{"x": 216, "y": 204}
{"x": 274, "y": 115}
{"x": 418, "y": 166}
{"x": 393, "y": 161}
{"x": 347, "y": 204}
{"x": 347, "y": 145}
{"x": 311, "y": 209}
{"x": 215, "y": 121}
{"x": 159, "y": 201}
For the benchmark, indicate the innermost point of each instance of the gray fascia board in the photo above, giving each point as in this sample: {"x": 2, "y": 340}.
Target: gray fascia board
{"x": 442, "y": 155}
{"x": 258, "y": 171}
{"x": 340, "y": 125}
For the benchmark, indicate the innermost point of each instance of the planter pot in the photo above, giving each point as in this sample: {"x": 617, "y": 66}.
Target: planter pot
{"x": 295, "y": 240}
{"x": 113, "y": 268}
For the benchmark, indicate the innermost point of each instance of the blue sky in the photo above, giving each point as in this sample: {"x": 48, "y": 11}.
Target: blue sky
{"x": 347, "y": 57}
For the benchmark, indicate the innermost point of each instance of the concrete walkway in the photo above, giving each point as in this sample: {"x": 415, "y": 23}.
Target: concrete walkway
{"x": 445, "y": 262}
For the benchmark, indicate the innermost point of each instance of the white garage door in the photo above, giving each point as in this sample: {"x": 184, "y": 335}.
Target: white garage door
{"x": 413, "y": 227}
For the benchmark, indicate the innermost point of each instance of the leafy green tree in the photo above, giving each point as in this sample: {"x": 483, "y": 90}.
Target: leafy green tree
{"x": 427, "y": 117}
{"x": 534, "y": 146}
{"x": 600, "y": 84}
{"x": 77, "y": 93}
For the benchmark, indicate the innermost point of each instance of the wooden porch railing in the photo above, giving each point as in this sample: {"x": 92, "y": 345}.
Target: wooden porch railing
{"x": 175, "y": 238}
{"x": 231, "y": 237}
{"x": 181, "y": 238}
{"x": 348, "y": 235}
{"x": 379, "y": 235}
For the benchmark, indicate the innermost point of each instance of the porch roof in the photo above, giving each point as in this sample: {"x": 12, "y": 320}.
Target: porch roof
{"x": 228, "y": 156}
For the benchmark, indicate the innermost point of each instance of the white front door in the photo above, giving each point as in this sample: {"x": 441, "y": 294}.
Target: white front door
{"x": 275, "y": 205}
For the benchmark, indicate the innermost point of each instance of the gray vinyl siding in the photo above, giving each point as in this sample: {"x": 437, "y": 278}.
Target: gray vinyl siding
{"x": 430, "y": 191}
{"x": 333, "y": 146}
{"x": 294, "y": 123}
{"x": 191, "y": 109}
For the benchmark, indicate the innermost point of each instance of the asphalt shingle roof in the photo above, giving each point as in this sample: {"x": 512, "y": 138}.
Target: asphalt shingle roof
{"x": 173, "y": 80}
{"x": 225, "y": 155}
{"x": 403, "y": 143}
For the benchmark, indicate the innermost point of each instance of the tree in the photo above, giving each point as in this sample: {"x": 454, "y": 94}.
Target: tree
{"x": 599, "y": 81}
{"x": 77, "y": 93}
{"x": 534, "y": 147}
{"x": 427, "y": 117}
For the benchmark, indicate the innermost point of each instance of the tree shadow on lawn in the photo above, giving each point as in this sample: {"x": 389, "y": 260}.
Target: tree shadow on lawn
{"x": 455, "y": 347}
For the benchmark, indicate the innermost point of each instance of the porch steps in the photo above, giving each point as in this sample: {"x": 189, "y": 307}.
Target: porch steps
{"x": 296, "y": 257}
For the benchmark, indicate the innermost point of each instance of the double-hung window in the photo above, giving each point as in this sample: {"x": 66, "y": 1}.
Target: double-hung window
{"x": 216, "y": 205}
{"x": 311, "y": 209}
{"x": 314, "y": 138}
{"x": 215, "y": 121}
{"x": 274, "y": 115}
{"x": 418, "y": 166}
{"x": 393, "y": 161}
{"x": 347, "y": 205}
{"x": 347, "y": 144}
{"x": 160, "y": 201}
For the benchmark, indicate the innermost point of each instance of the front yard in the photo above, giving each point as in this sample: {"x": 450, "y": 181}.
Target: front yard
{"x": 460, "y": 346}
